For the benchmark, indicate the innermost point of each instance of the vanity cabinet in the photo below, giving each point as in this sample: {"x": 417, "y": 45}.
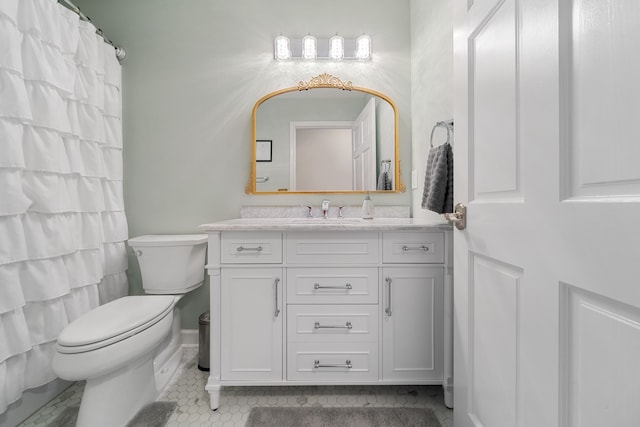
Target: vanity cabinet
{"x": 327, "y": 307}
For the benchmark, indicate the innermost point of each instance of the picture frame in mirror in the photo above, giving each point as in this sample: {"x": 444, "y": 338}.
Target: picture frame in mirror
{"x": 264, "y": 150}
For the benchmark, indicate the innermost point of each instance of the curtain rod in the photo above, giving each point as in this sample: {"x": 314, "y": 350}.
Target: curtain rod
{"x": 120, "y": 52}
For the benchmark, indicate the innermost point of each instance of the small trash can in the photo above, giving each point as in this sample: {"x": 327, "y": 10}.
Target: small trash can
{"x": 203, "y": 341}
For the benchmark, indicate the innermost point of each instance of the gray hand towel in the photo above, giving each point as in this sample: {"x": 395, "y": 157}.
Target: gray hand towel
{"x": 437, "y": 195}
{"x": 384, "y": 182}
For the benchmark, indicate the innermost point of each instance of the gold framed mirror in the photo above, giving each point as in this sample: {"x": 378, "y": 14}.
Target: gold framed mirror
{"x": 325, "y": 135}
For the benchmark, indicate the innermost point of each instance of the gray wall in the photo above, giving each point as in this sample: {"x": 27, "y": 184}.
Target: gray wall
{"x": 431, "y": 83}
{"x": 193, "y": 72}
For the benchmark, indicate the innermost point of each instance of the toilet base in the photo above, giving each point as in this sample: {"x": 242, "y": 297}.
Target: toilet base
{"x": 168, "y": 355}
{"x": 114, "y": 399}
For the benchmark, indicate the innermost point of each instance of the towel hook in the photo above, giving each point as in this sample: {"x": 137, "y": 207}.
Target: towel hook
{"x": 448, "y": 125}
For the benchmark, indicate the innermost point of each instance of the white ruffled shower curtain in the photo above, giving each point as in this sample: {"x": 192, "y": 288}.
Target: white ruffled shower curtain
{"x": 62, "y": 219}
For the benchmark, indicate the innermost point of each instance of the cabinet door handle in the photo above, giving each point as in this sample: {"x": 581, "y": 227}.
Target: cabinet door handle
{"x": 347, "y": 364}
{"x": 406, "y": 248}
{"x": 276, "y": 313}
{"x": 347, "y": 286}
{"x": 242, "y": 248}
{"x": 388, "y": 309}
{"x": 347, "y": 325}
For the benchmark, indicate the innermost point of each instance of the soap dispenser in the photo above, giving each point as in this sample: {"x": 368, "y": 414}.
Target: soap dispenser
{"x": 367, "y": 207}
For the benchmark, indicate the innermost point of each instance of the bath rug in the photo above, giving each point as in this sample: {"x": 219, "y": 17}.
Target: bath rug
{"x": 155, "y": 414}
{"x": 335, "y": 417}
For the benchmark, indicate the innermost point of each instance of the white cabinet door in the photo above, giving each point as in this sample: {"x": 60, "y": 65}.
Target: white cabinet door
{"x": 412, "y": 326}
{"x": 251, "y": 324}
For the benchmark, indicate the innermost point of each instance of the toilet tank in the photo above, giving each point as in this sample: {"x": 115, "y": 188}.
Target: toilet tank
{"x": 170, "y": 264}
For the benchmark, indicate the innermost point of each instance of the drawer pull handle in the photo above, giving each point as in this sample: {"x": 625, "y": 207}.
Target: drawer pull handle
{"x": 276, "y": 312}
{"x": 347, "y": 325}
{"x": 347, "y": 286}
{"x": 347, "y": 364}
{"x": 242, "y": 248}
{"x": 406, "y": 248}
{"x": 388, "y": 309}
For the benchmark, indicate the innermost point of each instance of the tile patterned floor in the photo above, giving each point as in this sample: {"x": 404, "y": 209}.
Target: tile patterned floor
{"x": 48, "y": 413}
{"x": 187, "y": 388}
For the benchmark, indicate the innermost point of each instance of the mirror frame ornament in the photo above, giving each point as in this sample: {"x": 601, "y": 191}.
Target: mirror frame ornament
{"x": 326, "y": 80}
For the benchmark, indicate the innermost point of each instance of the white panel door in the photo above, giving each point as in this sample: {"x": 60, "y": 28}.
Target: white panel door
{"x": 364, "y": 148}
{"x": 251, "y": 324}
{"x": 547, "y": 155}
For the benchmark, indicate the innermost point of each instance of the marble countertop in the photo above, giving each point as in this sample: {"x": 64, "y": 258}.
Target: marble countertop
{"x": 307, "y": 224}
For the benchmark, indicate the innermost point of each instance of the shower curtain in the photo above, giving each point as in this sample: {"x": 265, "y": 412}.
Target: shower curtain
{"x": 62, "y": 220}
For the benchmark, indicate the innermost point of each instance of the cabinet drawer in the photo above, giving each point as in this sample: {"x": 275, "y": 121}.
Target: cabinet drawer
{"x": 339, "y": 362}
{"x": 251, "y": 248}
{"x": 332, "y": 285}
{"x": 331, "y": 323}
{"x": 332, "y": 247}
{"x": 411, "y": 248}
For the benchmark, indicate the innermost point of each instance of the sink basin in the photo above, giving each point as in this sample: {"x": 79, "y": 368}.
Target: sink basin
{"x": 328, "y": 221}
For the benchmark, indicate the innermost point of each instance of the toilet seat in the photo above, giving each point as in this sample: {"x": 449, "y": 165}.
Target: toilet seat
{"x": 114, "y": 322}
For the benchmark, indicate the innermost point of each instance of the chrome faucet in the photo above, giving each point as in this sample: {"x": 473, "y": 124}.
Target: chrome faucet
{"x": 325, "y": 209}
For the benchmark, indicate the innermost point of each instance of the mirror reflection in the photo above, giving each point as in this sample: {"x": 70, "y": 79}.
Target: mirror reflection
{"x": 327, "y": 139}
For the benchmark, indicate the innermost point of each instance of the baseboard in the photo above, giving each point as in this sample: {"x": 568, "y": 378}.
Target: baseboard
{"x": 32, "y": 400}
{"x": 189, "y": 337}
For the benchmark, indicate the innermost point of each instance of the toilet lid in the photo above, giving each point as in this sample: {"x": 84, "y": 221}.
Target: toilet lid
{"x": 115, "y": 321}
{"x": 168, "y": 240}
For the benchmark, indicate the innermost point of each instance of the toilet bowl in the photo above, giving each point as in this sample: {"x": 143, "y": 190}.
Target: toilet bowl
{"x": 116, "y": 347}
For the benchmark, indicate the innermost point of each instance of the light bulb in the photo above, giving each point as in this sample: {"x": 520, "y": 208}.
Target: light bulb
{"x": 309, "y": 47}
{"x": 282, "y": 49}
{"x": 363, "y": 47}
{"x": 336, "y": 47}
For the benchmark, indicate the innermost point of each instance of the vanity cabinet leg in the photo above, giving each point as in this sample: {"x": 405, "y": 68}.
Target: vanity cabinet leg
{"x": 448, "y": 392}
{"x": 214, "y": 397}
{"x": 213, "y": 387}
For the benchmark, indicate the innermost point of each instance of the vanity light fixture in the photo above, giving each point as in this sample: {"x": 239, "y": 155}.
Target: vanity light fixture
{"x": 282, "y": 48}
{"x": 310, "y": 48}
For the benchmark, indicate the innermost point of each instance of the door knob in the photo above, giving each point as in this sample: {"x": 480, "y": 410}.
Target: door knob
{"x": 458, "y": 217}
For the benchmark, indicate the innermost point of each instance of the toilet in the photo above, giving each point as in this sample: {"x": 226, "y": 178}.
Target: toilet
{"x": 128, "y": 349}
